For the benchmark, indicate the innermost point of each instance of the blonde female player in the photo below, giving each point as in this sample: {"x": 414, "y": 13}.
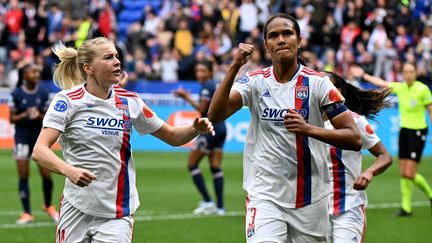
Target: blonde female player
{"x": 94, "y": 119}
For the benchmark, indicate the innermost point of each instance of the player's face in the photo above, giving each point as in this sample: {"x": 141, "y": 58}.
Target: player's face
{"x": 32, "y": 74}
{"x": 281, "y": 40}
{"x": 106, "y": 65}
{"x": 202, "y": 73}
{"x": 409, "y": 73}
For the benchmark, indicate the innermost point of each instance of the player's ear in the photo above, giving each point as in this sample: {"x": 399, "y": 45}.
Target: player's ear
{"x": 88, "y": 69}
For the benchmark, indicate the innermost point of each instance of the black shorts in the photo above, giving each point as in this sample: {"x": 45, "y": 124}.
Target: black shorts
{"x": 24, "y": 143}
{"x": 208, "y": 142}
{"x": 411, "y": 143}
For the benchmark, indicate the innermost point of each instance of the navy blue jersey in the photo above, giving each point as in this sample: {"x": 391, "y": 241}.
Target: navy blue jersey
{"x": 23, "y": 99}
{"x": 206, "y": 93}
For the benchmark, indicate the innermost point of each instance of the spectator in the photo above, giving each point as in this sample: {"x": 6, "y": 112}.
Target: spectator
{"x": 183, "y": 39}
{"x": 169, "y": 66}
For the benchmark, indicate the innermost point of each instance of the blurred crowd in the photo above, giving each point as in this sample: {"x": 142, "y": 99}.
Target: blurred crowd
{"x": 160, "y": 40}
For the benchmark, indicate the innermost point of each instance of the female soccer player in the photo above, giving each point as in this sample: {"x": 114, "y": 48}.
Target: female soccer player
{"x": 348, "y": 198}
{"x": 94, "y": 119}
{"x": 28, "y": 107}
{"x": 414, "y": 100}
{"x": 205, "y": 143}
{"x": 284, "y": 169}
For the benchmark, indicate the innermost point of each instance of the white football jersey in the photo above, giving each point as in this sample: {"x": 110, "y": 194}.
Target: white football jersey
{"x": 96, "y": 136}
{"x": 345, "y": 166}
{"x": 278, "y": 165}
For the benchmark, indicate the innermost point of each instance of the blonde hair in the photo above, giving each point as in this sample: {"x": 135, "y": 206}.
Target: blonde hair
{"x": 70, "y": 71}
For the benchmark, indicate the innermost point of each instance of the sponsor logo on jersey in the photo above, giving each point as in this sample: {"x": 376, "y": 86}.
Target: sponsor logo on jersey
{"x": 277, "y": 114}
{"x": 243, "y": 79}
{"x": 302, "y": 92}
{"x": 60, "y": 106}
{"x": 108, "y": 126}
{"x": 266, "y": 94}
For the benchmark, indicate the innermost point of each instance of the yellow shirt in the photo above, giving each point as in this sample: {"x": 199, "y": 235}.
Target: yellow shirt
{"x": 183, "y": 41}
{"x": 413, "y": 102}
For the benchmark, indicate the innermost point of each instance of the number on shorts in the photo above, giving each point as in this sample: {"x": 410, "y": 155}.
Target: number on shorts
{"x": 252, "y": 216}
{"x": 22, "y": 150}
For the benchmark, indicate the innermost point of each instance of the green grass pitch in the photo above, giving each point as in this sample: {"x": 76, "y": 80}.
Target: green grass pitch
{"x": 168, "y": 198}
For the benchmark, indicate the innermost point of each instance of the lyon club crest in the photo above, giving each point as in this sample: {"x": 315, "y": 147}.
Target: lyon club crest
{"x": 302, "y": 92}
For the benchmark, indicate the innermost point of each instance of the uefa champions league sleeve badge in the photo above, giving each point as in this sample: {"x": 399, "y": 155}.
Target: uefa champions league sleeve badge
{"x": 60, "y": 106}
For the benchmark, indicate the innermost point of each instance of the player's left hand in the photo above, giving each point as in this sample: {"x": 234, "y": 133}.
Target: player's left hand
{"x": 363, "y": 180}
{"x": 295, "y": 123}
{"x": 203, "y": 125}
{"x": 182, "y": 93}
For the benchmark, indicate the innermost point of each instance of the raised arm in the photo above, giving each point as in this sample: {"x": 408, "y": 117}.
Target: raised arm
{"x": 225, "y": 101}
{"x": 382, "y": 162}
{"x": 180, "y": 135}
{"x": 359, "y": 73}
{"x": 45, "y": 157}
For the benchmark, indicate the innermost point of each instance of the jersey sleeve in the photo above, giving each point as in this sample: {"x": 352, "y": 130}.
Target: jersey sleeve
{"x": 328, "y": 93}
{"x": 59, "y": 113}
{"x": 244, "y": 87}
{"x": 395, "y": 87}
{"x": 145, "y": 121}
{"x": 13, "y": 100}
{"x": 367, "y": 133}
{"x": 427, "y": 96}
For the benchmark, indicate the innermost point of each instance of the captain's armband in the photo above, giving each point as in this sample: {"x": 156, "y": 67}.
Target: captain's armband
{"x": 334, "y": 109}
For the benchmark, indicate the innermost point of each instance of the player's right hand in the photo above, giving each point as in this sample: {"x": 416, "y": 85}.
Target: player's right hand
{"x": 243, "y": 54}
{"x": 79, "y": 176}
{"x": 357, "y": 71}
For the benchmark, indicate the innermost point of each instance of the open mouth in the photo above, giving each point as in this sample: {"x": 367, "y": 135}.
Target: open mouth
{"x": 117, "y": 72}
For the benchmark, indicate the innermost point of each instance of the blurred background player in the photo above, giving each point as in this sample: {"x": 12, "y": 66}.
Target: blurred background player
{"x": 93, "y": 119}
{"x": 348, "y": 183}
{"x": 29, "y": 104}
{"x": 284, "y": 175}
{"x": 205, "y": 144}
{"x": 414, "y": 99}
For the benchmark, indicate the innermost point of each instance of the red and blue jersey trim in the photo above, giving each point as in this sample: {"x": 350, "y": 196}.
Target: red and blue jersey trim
{"x": 339, "y": 190}
{"x": 123, "y": 187}
{"x": 304, "y": 162}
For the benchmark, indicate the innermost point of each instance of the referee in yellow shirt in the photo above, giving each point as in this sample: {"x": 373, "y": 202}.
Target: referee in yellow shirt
{"x": 414, "y": 99}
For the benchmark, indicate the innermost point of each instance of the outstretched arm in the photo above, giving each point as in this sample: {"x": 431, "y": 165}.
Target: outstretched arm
{"x": 359, "y": 73}
{"x": 201, "y": 106}
{"x": 45, "y": 157}
{"x": 225, "y": 102}
{"x": 180, "y": 135}
{"x": 382, "y": 162}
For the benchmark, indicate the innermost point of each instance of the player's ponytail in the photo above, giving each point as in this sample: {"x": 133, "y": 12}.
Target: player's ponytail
{"x": 70, "y": 71}
{"x": 67, "y": 74}
{"x": 364, "y": 102}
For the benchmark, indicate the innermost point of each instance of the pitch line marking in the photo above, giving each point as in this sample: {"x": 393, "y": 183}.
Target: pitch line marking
{"x": 143, "y": 217}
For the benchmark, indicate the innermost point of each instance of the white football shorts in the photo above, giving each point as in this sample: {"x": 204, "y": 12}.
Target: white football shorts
{"x": 268, "y": 222}
{"x": 349, "y": 226}
{"x": 76, "y": 226}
